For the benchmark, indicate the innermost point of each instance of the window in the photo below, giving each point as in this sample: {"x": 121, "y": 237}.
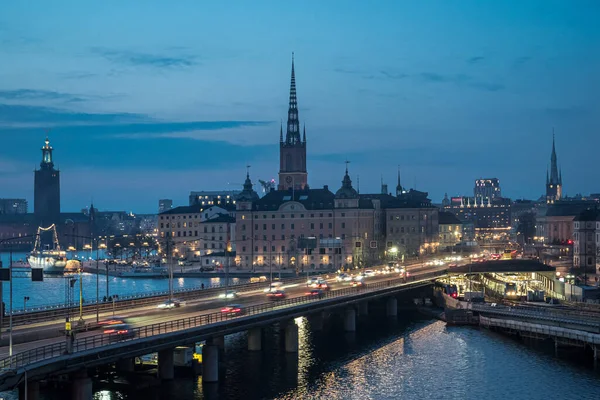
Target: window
{"x": 292, "y": 216}
{"x": 265, "y": 227}
{"x": 320, "y": 225}
{"x": 292, "y": 227}
{"x": 343, "y": 225}
{"x": 264, "y": 249}
{"x": 256, "y": 248}
{"x": 343, "y": 214}
{"x": 282, "y": 226}
{"x": 243, "y": 228}
{"x": 264, "y": 216}
{"x": 312, "y": 225}
{"x": 282, "y": 248}
{"x": 272, "y": 226}
{"x": 255, "y": 227}
{"x": 330, "y": 225}
{"x": 162, "y": 225}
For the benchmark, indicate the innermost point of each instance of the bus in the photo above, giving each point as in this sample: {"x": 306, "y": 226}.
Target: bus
{"x": 509, "y": 254}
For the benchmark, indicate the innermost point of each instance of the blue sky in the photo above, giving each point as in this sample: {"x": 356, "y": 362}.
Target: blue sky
{"x": 149, "y": 100}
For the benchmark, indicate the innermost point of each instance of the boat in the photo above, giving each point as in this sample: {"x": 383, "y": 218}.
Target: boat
{"x": 140, "y": 271}
{"x": 50, "y": 259}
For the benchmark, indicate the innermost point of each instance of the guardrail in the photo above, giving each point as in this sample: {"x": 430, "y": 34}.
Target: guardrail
{"x": 101, "y": 340}
{"x": 135, "y": 301}
{"x": 549, "y": 315}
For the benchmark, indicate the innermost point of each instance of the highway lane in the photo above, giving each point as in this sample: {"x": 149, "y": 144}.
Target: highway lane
{"x": 151, "y": 316}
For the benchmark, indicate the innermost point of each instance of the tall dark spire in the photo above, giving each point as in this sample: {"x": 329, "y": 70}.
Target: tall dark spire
{"x": 281, "y": 132}
{"x": 398, "y": 186}
{"x": 293, "y": 124}
{"x": 304, "y": 134}
{"x": 554, "y": 178}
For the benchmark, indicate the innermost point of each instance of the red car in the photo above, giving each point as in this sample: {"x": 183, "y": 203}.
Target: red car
{"x": 356, "y": 283}
{"x": 315, "y": 292}
{"x": 276, "y": 295}
{"x": 233, "y": 310}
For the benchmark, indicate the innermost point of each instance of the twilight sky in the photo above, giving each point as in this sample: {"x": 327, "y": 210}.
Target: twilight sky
{"x": 151, "y": 99}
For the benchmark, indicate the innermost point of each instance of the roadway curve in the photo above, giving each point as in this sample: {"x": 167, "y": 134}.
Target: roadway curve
{"x": 151, "y": 315}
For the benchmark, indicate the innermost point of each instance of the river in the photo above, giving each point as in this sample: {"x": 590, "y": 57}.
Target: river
{"x": 415, "y": 359}
{"x": 52, "y": 291}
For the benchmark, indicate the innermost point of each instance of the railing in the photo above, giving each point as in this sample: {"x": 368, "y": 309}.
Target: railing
{"x": 141, "y": 300}
{"x": 100, "y": 340}
{"x": 573, "y": 317}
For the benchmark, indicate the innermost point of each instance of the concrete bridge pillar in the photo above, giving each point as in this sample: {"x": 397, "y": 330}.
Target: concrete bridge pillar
{"x": 126, "y": 364}
{"x": 363, "y": 308}
{"x": 350, "y": 320}
{"x": 33, "y": 390}
{"x": 391, "y": 308}
{"x": 255, "y": 339}
{"x": 291, "y": 337}
{"x": 316, "y": 321}
{"x": 210, "y": 363}
{"x": 166, "y": 366}
{"x": 81, "y": 386}
{"x": 218, "y": 341}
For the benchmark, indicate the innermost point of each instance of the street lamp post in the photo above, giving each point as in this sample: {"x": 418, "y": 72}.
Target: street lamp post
{"x": 271, "y": 260}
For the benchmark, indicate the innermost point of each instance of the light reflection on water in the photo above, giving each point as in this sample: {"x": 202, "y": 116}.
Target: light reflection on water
{"x": 412, "y": 360}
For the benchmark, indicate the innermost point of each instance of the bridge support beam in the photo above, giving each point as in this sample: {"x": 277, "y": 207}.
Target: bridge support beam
{"x": 210, "y": 363}
{"x": 316, "y": 321}
{"x": 126, "y": 364}
{"x": 255, "y": 339}
{"x": 291, "y": 337}
{"x": 218, "y": 341}
{"x": 391, "y": 308}
{"x": 350, "y": 320}
{"x": 363, "y": 308}
{"x": 166, "y": 367}
{"x": 81, "y": 386}
{"x": 33, "y": 390}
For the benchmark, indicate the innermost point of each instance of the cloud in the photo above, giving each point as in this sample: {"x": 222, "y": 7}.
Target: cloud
{"x": 521, "y": 61}
{"x": 391, "y": 75}
{"x": 34, "y": 94}
{"x": 461, "y": 80}
{"x": 475, "y": 60}
{"x": 128, "y": 57}
{"x": 24, "y": 116}
{"x": 381, "y": 74}
{"x": 77, "y": 75}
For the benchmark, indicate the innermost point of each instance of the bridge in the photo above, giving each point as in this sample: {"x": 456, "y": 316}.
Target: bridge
{"x": 91, "y": 349}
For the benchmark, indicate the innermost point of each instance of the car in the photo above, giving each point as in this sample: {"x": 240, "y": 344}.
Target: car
{"x": 315, "y": 292}
{"x": 357, "y": 283}
{"x": 118, "y": 332}
{"x": 233, "y": 310}
{"x": 343, "y": 278}
{"x": 229, "y": 294}
{"x": 276, "y": 295}
{"x": 318, "y": 282}
{"x": 273, "y": 286}
{"x": 323, "y": 286}
{"x": 369, "y": 273}
{"x": 173, "y": 303}
{"x": 312, "y": 281}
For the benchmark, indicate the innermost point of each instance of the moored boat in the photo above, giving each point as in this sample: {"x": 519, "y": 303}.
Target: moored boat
{"x": 50, "y": 259}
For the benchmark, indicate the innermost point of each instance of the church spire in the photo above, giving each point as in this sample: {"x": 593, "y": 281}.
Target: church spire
{"x": 281, "y": 132}
{"x": 554, "y": 179}
{"x": 293, "y": 124}
{"x": 398, "y": 186}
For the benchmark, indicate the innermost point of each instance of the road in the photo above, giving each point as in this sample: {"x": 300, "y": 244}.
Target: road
{"x": 151, "y": 315}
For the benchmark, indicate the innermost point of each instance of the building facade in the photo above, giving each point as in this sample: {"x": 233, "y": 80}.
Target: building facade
{"x": 450, "y": 229}
{"x": 164, "y": 205}
{"x": 292, "y": 150}
{"x": 491, "y": 219}
{"x": 46, "y": 206}
{"x": 13, "y": 206}
{"x": 208, "y": 198}
{"x": 586, "y": 238}
{"x": 488, "y": 188}
{"x": 554, "y": 180}
{"x": 556, "y": 225}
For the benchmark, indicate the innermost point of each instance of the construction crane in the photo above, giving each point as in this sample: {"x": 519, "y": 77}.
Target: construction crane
{"x": 267, "y": 185}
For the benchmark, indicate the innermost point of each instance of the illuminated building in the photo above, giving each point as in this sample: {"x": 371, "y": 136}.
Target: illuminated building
{"x": 46, "y": 206}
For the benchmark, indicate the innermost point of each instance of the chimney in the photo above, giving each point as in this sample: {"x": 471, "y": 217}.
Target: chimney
{"x": 326, "y": 187}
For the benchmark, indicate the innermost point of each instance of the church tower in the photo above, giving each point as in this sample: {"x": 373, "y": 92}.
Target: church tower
{"x": 554, "y": 180}
{"x": 46, "y": 201}
{"x": 292, "y": 150}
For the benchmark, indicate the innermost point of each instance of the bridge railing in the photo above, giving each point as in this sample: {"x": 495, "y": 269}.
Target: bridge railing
{"x": 53, "y": 312}
{"x": 100, "y": 340}
{"x": 541, "y": 314}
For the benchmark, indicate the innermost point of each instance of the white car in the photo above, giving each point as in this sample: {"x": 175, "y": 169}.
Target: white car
{"x": 173, "y": 303}
{"x": 273, "y": 287}
{"x": 230, "y": 294}
{"x": 369, "y": 272}
{"x": 343, "y": 278}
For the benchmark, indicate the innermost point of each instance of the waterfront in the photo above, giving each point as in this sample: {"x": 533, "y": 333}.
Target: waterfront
{"x": 383, "y": 360}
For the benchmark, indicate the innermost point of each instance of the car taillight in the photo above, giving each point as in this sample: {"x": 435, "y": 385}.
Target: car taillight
{"x": 236, "y": 310}
{"x": 454, "y": 295}
{"x": 109, "y": 331}
{"x": 279, "y": 294}
{"x": 224, "y": 309}
{"x": 123, "y": 331}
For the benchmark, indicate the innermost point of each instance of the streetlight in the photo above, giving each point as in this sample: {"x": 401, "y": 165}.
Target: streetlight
{"x": 270, "y": 259}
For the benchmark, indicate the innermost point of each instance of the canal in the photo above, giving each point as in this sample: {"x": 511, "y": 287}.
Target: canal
{"x": 415, "y": 359}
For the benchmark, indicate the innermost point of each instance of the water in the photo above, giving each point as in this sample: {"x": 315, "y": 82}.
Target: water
{"x": 52, "y": 291}
{"x": 412, "y": 360}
